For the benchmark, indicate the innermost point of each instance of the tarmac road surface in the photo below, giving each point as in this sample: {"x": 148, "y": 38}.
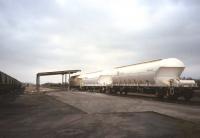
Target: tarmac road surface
{"x": 62, "y": 115}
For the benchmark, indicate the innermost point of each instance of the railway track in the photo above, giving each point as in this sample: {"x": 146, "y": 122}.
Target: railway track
{"x": 194, "y": 101}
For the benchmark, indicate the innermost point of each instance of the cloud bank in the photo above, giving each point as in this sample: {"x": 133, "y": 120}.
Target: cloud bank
{"x": 48, "y": 35}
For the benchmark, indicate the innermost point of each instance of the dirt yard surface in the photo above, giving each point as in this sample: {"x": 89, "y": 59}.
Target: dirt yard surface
{"x": 43, "y": 116}
{"x": 103, "y": 103}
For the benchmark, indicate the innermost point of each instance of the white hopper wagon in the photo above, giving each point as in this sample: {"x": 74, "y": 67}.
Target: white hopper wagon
{"x": 161, "y": 77}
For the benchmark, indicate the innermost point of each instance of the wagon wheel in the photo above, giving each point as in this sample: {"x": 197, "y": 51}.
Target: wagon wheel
{"x": 111, "y": 90}
{"x": 121, "y": 90}
{"x": 102, "y": 90}
{"x": 159, "y": 94}
{"x": 171, "y": 94}
{"x": 107, "y": 90}
{"x": 188, "y": 95}
{"x": 125, "y": 92}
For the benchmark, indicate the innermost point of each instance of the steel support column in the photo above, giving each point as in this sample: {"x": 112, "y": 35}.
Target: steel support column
{"x": 38, "y": 83}
{"x": 62, "y": 80}
{"x": 69, "y": 82}
{"x": 65, "y": 81}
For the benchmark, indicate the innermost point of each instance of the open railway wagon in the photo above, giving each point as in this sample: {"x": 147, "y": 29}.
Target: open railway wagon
{"x": 160, "y": 77}
{"x": 8, "y": 83}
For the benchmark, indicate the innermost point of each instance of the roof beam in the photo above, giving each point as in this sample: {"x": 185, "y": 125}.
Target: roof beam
{"x": 57, "y": 72}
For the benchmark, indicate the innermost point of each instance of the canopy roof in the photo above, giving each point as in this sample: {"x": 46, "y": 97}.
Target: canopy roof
{"x": 58, "y": 72}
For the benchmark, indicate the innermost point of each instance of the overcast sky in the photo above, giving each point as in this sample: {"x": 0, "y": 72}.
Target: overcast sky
{"x": 48, "y": 35}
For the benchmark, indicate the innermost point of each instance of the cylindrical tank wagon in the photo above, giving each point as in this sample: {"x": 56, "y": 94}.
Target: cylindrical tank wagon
{"x": 161, "y": 77}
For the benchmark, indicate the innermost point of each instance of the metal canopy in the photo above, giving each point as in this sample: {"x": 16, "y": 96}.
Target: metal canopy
{"x": 63, "y": 73}
{"x": 58, "y": 72}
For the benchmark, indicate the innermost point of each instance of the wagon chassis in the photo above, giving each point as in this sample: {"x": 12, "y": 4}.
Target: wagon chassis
{"x": 172, "y": 93}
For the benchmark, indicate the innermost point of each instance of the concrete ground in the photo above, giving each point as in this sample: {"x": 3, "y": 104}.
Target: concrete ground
{"x": 103, "y": 103}
{"x": 76, "y": 114}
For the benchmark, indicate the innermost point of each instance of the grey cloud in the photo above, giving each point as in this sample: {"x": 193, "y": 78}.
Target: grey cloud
{"x": 28, "y": 29}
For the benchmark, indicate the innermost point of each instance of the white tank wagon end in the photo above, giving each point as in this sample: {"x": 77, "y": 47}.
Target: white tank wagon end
{"x": 161, "y": 77}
